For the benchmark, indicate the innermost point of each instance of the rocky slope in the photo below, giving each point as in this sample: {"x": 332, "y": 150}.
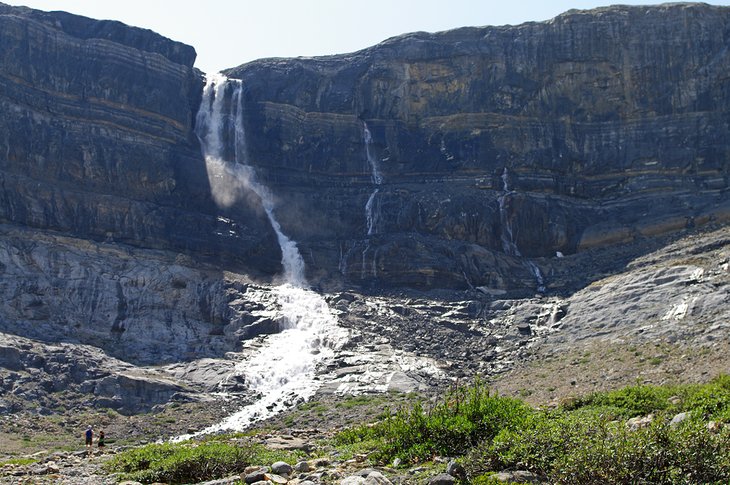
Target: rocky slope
{"x": 418, "y": 177}
{"x": 537, "y": 349}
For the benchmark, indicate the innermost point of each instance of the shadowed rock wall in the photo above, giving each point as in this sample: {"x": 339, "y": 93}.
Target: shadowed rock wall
{"x": 96, "y": 140}
{"x": 612, "y": 125}
{"x": 495, "y": 144}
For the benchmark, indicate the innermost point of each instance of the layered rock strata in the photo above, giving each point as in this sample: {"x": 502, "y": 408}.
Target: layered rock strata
{"x": 592, "y": 129}
{"x": 96, "y": 140}
{"x": 464, "y": 160}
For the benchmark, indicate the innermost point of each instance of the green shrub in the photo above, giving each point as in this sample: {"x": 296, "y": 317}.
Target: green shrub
{"x": 466, "y": 416}
{"x": 658, "y": 454}
{"x": 633, "y": 400}
{"x": 711, "y": 401}
{"x": 700, "y": 456}
{"x": 722, "y": 381}
{"x": 609, "y": 453}
{"x": 578, "y": 449}
{"x": 189, "y": 461}
{"x": 543, "y": 438}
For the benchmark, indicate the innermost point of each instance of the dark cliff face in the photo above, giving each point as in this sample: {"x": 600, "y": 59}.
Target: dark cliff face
{"x": 495, "y": 148}
{"x": 96, "y": 139}
{"x": 612, "y": 125}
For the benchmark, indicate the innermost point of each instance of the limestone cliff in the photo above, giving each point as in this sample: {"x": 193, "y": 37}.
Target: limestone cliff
{"x": 595, "y": 128}
{"x": 96, "y": 139}
{"x": 441, "y": 161}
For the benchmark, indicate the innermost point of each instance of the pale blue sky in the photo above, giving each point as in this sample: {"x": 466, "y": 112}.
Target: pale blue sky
{"x": 229, "y": 33}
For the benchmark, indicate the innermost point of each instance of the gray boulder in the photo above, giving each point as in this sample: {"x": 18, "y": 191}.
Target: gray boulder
{"x": 442, "y": 479}
{"x": 281, "y": 468}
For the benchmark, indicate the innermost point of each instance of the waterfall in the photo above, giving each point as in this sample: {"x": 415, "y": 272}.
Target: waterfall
{"x": 372, "y": 207}
{"x": 372, "y": 212}
{"x": 507, "y": 236}
{"x": 282, "y": 371}
{"x": 372, "y": 161}
{"x": 538, "y": 276}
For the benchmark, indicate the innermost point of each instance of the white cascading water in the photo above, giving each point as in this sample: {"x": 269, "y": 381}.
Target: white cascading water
{"x": 508, "y": 243}
{"x": 538, "y": 276}
{"x": 282, "y": 370}
{"x": 372, "y": 207}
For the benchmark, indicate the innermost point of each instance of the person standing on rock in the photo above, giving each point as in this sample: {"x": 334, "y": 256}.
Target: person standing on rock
{"x": 89, "y": 439}
{"x": 100, "y": 441}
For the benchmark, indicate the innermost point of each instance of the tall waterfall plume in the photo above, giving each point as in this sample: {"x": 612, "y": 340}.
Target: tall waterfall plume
{"x": 282, "y": 370}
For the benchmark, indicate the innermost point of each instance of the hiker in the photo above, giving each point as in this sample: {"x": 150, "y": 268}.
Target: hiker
{"x": 100, "y": 441}
{"x": 89, "y": 438}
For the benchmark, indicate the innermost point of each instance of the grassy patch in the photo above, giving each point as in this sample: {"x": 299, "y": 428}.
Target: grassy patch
{"x": 313, "y": 406}
{"x": 585, "y": 441}
{"x": 192, "y": 461}
{"x": 632, "y": 401}
{"x": 568, "y": 450}
{"x": 18, "y": 461}
{"x": 711, "y": 400}
{"x": 362, "y": 400}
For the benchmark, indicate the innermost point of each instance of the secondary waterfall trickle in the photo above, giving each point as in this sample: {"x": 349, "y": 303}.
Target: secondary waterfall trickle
{"x": 282, "y": 370}
{"x": 507, "y": 236}
{"x": 372, "y": 207}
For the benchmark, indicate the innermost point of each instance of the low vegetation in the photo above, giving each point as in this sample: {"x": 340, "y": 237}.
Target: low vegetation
{"x": 585, "y": 441}
{"x": 192, "y": 461}
{"x": 18, "y": 461}
{"x": 452, "y": 427}
{"x": 588, "y": 440}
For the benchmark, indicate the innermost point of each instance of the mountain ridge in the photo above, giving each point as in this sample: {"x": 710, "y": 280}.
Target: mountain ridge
{"x": 449, "y": 240}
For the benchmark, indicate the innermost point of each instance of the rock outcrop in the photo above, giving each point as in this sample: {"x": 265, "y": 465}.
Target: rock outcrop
{"x": 96, "y": 140}
{"x": 596, "y": 128}
{"x": 145, "y": 306}
{"x": 484, "y": 146}
{"x": 496, "y": 160}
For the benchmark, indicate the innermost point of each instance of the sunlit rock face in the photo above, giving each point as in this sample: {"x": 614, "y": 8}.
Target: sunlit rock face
{"x": 96, "y": 139}
{"x": 611, "y": 123}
